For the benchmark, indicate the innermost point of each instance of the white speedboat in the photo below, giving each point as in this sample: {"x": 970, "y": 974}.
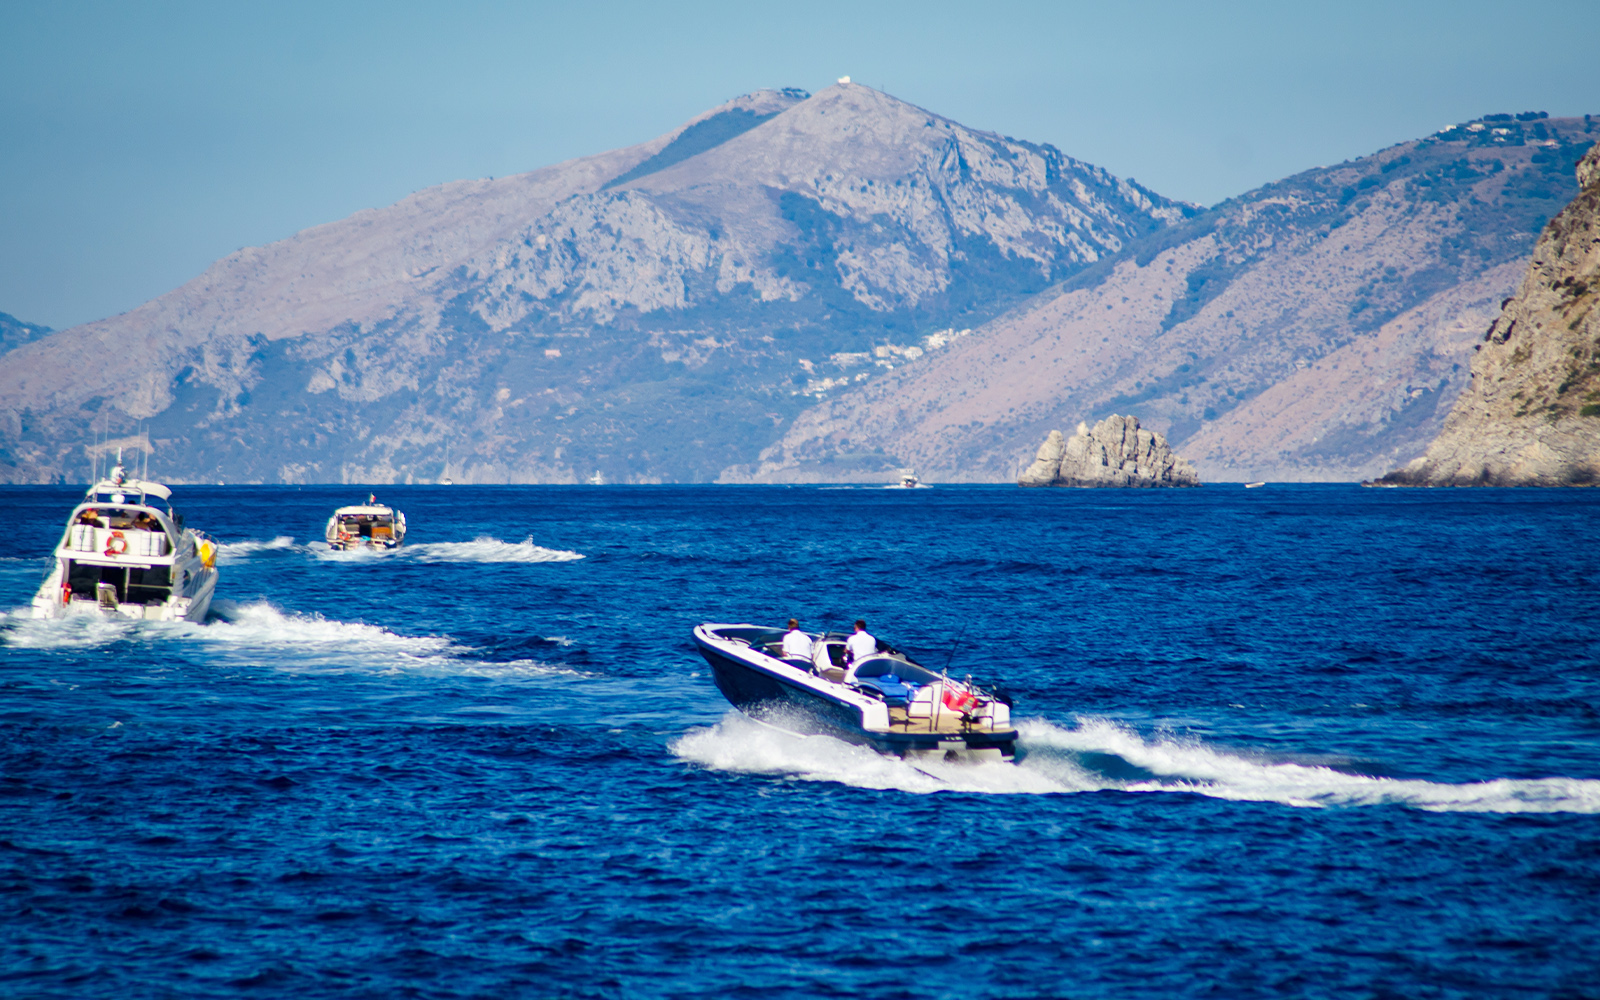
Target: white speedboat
{"x": 126, "y": 552}
{"x": 909, "y": 480}
{"x": 887, "y": 700}
{"x": 369, "y": 525}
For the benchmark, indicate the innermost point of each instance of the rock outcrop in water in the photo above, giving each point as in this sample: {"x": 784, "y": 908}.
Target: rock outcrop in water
{"x": 1531, "y": 415}
{"x": 1117, "y": 452}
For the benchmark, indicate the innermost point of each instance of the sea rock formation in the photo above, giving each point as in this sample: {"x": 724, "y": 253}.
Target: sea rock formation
{"x": 1317, "y": 328}
{"x": 1117, "y": 452}
{"x": 1531, "y": 416}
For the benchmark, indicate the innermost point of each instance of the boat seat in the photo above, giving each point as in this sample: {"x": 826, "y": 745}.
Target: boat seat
{"x": 835, "y": 674}
{"x": 888, "y": 687}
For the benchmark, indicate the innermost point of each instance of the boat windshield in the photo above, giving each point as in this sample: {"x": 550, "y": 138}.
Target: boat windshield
{"x": 119, "y": 518}
{"x": 880, "y": 666}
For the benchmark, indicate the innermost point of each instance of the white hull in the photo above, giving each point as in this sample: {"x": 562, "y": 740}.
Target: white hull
{"x": 193, "y": 607}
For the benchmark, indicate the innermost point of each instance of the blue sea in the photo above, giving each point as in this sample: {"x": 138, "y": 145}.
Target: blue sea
{"x": 1300, "y": 741}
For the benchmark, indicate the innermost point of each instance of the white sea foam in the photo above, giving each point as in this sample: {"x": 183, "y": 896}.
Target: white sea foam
{"x": 480, "y": 550}
{"x": 1189, "y": 765}
{"x": 313, "y": 642}
{"x": 487, "y": 550}
{"x": 232, "y": 552}
{"x": 81, "y": 630}
{"x": 259, "y": 634}
{"x": 1058, "y": 760}
{"x": 738, "y": 743}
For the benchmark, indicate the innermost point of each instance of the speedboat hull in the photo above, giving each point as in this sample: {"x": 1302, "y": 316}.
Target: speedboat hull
{"x": 789, "y": 696}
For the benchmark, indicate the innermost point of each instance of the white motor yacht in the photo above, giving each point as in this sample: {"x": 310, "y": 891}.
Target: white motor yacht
{"x": 126, "y": 552}
{"x": 369, "y": 525}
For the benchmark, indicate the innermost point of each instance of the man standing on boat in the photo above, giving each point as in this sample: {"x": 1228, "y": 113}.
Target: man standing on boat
{"x": 796, "y": 642}
{"x": 862, "y": 644}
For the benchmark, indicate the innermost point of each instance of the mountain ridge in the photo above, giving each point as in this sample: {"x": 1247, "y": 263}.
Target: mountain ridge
{"x": 1315, "y": 328}
{"x": 537, "y": 327}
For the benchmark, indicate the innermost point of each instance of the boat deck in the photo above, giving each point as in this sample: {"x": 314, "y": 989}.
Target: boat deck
{"x": 947, "y": 722}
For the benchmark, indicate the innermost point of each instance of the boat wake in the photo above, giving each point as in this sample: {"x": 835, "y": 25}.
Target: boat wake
{"x": 258, "y": 633}
{"x": 483, "y": 549}
{"x": 1101, "y": 755}
{"x": 233, "y": 552}
{"x": 487, "y": 550}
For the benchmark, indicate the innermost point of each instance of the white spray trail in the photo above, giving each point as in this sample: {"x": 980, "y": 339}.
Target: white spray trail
{"x": 1056, "y": 760}
{"x": 258, "y": 634}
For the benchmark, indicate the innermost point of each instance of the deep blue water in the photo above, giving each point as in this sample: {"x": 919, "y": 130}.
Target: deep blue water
{"x": 1312, "y": 741}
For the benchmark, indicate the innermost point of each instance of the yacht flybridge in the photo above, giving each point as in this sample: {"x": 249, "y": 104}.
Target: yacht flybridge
{"x": 886, "y": 700}
{"x": 369, "y": 525}
{"x": 126, "y": 552}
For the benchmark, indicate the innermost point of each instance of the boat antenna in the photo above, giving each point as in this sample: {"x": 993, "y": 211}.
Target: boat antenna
{"x": 956, "y": 645}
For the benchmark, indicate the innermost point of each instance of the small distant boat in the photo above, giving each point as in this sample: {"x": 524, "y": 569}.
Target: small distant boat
{"x": 126, "y": 552}
{"x": 447, "y": 481}
{"x": 369, "y": 525}
{"x": 1251, "y": 486}
{"x": 597, "y": 479}
{"x": 887, "y": 701}
{"x": 909, "y": 480}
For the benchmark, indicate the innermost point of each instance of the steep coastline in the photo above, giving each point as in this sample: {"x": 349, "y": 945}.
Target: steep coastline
{"x": 1531, "y": 414}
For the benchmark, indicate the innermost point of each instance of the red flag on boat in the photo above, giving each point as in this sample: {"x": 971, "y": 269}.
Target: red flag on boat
{"x": 958, "y": 698}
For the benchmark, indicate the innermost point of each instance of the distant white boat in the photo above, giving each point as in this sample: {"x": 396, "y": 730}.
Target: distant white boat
{"x": 909, "y": 480}
{"x": 1251, "y": 486}
{"x": 447, "y": 481}
{"x": 369, "y": 525}
{"x": 597, "y": 479}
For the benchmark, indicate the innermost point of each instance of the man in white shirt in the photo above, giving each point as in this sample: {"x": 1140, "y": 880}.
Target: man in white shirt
{"x": 796, "y": 643}
{"x": 862, "y": 644}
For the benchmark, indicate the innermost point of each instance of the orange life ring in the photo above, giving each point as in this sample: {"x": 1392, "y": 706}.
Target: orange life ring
{"x": 117, "y": 544}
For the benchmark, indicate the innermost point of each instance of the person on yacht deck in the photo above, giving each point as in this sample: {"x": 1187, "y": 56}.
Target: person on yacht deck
{"x": 862, "y": 644}
{"x": 796, "y": 642}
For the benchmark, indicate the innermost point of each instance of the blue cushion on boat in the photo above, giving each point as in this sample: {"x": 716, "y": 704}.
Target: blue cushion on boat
{"x": 888, "y": 685}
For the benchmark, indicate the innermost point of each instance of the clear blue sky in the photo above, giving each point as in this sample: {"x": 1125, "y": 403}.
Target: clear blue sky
{"x": 141, "y": 141}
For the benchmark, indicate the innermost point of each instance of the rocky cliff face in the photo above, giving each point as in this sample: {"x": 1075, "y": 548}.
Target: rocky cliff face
{"x": 656, "y": 313}
{"x": 1531, "y": 416}
{"x": 1317, "y": 328}
{"x": 1116, "y": 452}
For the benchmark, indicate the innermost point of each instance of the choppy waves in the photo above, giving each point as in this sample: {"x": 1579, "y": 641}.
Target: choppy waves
{"x": 1100, "y": 755}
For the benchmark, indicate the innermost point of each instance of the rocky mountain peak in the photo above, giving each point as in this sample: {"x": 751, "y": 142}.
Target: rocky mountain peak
{"x": 658, "y": 312}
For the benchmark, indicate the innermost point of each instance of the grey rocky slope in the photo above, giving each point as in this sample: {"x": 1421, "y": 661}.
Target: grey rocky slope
{"x": 1531, "y": 416}
{"x": 657, "y": 313}
{"x": 1317, "y": 328}
{"x": 14, "y": 332}
{"x": 1115, "y": 452}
